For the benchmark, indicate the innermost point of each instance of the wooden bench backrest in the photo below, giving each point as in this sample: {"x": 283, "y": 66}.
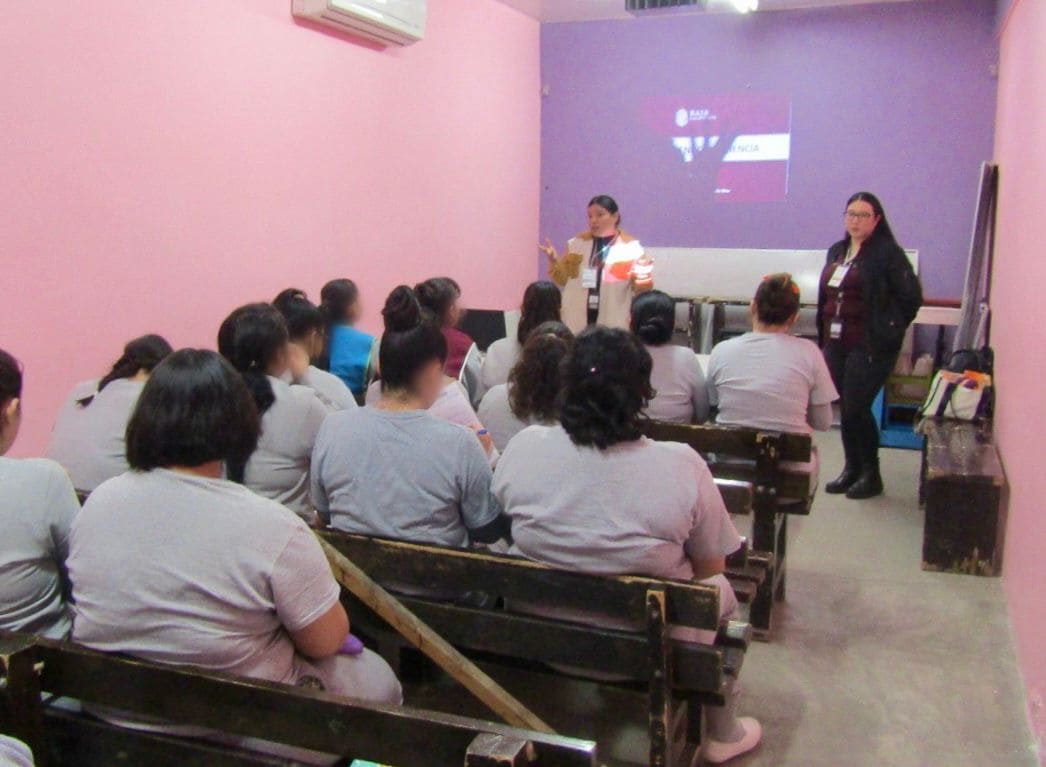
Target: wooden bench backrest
{"x": 440, "y": 568}
{"x": 744, "y": 454}
{"x": 733, "y": 441}
{"x": 404, "y": 566}
{"x": 253, "y": 708}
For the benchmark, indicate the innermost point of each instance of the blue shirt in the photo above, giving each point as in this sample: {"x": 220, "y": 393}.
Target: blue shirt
{"x": 350, "y": 353}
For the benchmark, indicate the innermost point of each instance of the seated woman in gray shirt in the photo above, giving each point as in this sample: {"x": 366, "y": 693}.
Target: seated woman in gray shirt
{"x": 255, "y": 340}
{"x": 394, "y": 470}
{"x": 88, "y": 437}
{"x": 770, "y": 378}
{"x": 680, "y": 392}
{"x": 531, "y": 395}
{"x": 174, "y": 564}
{"x": 37, "y": 507}
{"x": 594, "y": 495}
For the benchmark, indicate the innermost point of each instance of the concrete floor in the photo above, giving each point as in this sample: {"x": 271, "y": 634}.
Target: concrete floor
{"x": 874, "y": 662}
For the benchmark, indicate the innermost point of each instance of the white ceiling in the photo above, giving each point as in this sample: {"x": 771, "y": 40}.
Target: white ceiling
{"x": 593, "y": 10}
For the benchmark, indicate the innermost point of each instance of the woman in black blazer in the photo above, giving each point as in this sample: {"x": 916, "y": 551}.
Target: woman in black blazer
{"x": 868, "y": 297}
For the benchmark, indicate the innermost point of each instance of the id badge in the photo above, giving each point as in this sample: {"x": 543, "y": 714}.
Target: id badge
{"x": 835, "y": 330}
{"x": 589, "y": 277}
{"x": 838, "y": 275}
{"x": 593, "y": 301}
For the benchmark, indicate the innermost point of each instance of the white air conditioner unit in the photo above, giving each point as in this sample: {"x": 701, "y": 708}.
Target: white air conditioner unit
{"x": 389, "y": 22}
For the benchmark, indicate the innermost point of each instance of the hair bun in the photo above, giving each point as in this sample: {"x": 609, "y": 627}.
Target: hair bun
{"x": 654, "y": 324}
{"x": 402, "y": 310}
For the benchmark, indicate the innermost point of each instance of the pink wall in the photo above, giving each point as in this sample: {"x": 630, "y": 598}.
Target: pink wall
{"x": 164, "y": 162}
{"x": 1019, "y": 333}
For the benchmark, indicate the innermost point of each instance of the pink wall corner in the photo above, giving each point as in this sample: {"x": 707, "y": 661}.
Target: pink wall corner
{"x": 1019, "y": 335}
{"x": 165, "y": 162}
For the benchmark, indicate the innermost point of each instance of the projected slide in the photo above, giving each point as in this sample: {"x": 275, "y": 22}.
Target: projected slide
{"x": 734, "y": 147}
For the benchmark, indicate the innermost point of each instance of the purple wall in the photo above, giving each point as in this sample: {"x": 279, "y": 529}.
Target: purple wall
{"x": 895, "y": 98}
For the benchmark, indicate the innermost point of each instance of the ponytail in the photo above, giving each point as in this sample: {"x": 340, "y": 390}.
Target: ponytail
{"x": 143, "y": 353}
{"x": 250, "y": 339}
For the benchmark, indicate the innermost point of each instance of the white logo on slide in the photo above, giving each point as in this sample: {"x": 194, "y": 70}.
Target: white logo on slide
{"x": 682, "y": 118}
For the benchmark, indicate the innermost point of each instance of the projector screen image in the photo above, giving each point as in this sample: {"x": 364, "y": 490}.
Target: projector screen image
{"x": 732, "y": 147}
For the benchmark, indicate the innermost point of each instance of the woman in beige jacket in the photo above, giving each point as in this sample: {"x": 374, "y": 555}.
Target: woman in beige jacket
{"x": 601, "y": 270}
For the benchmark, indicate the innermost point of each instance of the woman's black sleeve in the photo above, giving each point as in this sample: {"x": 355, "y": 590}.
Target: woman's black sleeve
{"x": 904, "y": 285}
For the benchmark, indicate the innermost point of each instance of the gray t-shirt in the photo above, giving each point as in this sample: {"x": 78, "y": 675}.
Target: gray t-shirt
{"x": 681, "y": 392}
{"x": 501, "y": 356}
{"x": 37, "y": 508}
{"x": 279, "y": 467}
{"x": 495, "y": 413}
{"x": 768, "y": 380}
{"x": 405, "y": 475}
{"x": 330, "y": 389}
{"x": 637, "y": 508}
{"x": 177, "y": 568}
{"x": 14, "y": 753}
{"x": 89, "y": 440}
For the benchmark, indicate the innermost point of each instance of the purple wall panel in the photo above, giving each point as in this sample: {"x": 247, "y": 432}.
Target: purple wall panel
{"x": 896, "y": 98}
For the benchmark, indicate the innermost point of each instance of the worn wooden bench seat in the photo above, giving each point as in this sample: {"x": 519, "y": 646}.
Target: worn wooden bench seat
{"x": 755, "y": 456}
{"x": 239, "y": 707}
{"x": 674, "y": 674}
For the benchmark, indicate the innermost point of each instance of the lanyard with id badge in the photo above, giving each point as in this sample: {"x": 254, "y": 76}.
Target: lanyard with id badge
{"x": 835, "y": 327}
{"x": 590, "y": 275}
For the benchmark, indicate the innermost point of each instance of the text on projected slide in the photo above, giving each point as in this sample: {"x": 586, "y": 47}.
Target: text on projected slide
{"x": 733, "y": 147}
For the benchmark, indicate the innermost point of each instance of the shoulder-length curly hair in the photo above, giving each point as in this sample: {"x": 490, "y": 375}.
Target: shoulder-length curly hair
{"x": 606, "y": 387}
{"x": 534, "y": 381}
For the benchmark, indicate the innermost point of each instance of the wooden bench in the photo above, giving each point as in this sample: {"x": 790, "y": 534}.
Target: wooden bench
{"x": 746, "y": 569}
{"x": 236, "y": 706}
{"x": 755, "y": 456}
{"x": 678, "y": 677}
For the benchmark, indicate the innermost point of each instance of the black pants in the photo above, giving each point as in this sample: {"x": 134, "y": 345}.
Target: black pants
{"x": 858, "y": 376}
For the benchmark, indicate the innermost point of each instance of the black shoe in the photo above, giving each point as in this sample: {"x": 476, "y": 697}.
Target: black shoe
{"x": 868, "y": 486}
{"x": 844, "y": 481}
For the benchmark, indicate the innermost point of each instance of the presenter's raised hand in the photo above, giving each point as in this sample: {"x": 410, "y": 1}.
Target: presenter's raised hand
{"x": 549, "y": 250}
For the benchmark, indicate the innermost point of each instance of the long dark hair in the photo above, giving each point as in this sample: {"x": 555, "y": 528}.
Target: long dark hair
{"x": 542, "y": 302}
{"x": 653, "y": 317}
{"x": 606, "y": 386}
{"x": 882, "y": 232}
{"x": 438, "y": 295}
{"x": 335, "y": 299}
{"x": 251, "y": 338}
{"x": 10, "y": 380}
{"x": 412, "y": 339}
{"x": 194, "y": 409}
{"x": 143, "y": 353}
{"x": 534, "y": 381}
